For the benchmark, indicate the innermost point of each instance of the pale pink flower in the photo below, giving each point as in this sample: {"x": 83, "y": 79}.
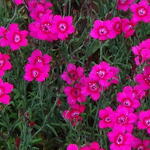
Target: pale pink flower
{"x": 72, "y": 73}
{"x": 5, "y": 89}
{"x": 4, "y": 63}
{"x": 16, "y": 37}
{"x": 107, "y": 118}
{"x": 3, "y": 39}
{"x": 120, "y": 139}
{"x": 63, "y": 26}
{"x": 141, "y": 11}
{"x": 128, "y": 27}
{"x": 103, "y": 30}
{"x": 38, "y": 58}
{"x": 144, "y": 120}
{"x": 124, "y": 4}
{"x": 36, "y": 72}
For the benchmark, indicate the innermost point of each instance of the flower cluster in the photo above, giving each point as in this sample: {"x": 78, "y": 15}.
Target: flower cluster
{"x": 90, "y": 146}
{"x": 5, "y": 87}
{"x": 37, "y": 67}
{"x": 109, "y": 29}
{"x": 13, "y": 37}
{"x": 101, "y": 77}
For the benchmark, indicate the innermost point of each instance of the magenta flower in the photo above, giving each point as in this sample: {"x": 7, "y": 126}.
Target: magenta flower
{"x": 42, "y": 29}
{"x": 92, "y": 146}
{"x": 5, "y": 89}
{"x": 91, "y": 87}
{"x": 18, "y": 2}
{"x": 124, "y": 119}
{"x": 139, "y": 144}
{"x": 38, "y": 58}
{"x": 143, "y": 79}
{"x": 144, "y": 120}
{"x": 72, "y": 147}
{"x": 63, "y": 26}
{"x": 141, "y": 11}
{"x": 128, "y": 27}
{"x": 103, "y": 30}
{"x": 128, "y": 99}
{"x": 36, "y": 72}
{"x": 3, "y": 39}
{"x": 124, "y": 4}
{"x": 105, "y": 74}
{"x": 142, "y": 52}
{"x": 4, "y": 63}
{"x": 16, "y": 37}
{"x": 72, "y": 74}
{"x": 74, "y": 94}
{"x": 121, "y": 140}
{"x": 117, "y": 25}
{"x": 107, "y": 118}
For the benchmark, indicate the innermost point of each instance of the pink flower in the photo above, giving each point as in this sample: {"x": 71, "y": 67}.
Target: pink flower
{"x": 38, "y": 58}
{"x": 91, "y": 87}
{"x": 107, "y": 118}
{"x": 128, "y": 27}
{"x": 141, "y": 11}
{"x": 74, "y": 94}
{"x": 16, "y": 37}
{"x": 105, "y": 74}
{"x": 121, "y": 140}
{"x": 38, "y": 12}
{"x": 72, "y": 74}
{"x": 92, "y": 146}
{"x": 18, "y": 2}
{"x": 128, "y": 99}
{"x": 142, "y": 52}
{"x": 73, "y": 115}
{"x": 139, "y": 144}
{"x": 4, "y": 63}
{"x": 124, "y": 119}
{"x": 144, "y": 120}
{"x": 62, "y": 26}
{"x": 5, "y": 89}
{"x": 42, "y": 29}
{"x": 3, "y": 39}
{"x": 117, "y": 25}
{"x": 124, "y": 4}
{"x": 36, "y": 72}
{"x": 72, "y": 147}
{"x": 103, "y": 30}
{"x": 143, "y": 79}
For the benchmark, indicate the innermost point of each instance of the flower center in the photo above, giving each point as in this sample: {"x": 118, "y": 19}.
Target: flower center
{"x": 35, "y": 73}
{"x": 107, "y": 119}
{"x": 102, "y": 31}
{"x": 141, "y": 147}
{"x": 147, "y": 79}
{"x": 93, "y": 86}
{"x": 73, "y": 75}
{"x": 127, "y": 102}
{"x": 62, "y": 27}
{"x": 1, "y": 91}
{"x": 142, "y": 12}
{"x": 147, "y": 122}
{"x": 75, "y": 92}
{"x": 119, "y": 139}
{"x": 117, "y": 26}
{"x": 1, "y": 62}
{"x": 122, "y": 119}
{"x": 17, "y": 38}
{"x": 123, "y": 1}
{"x": 46, "y": 27}
{"x": 39, "y": 59}
{"x": 101, "y": 73}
